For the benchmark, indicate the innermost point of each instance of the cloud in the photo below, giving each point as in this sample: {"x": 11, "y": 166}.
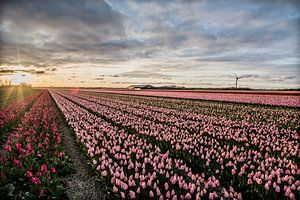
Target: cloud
{"x": 113, "y": 76}
{"x": 39, "y": 72}
{"x": 143, "y": 74}
{"x": 99, "y": 79}
{"x": 158, "y": 83}
{"x": 45, "y": 31}
{"x": 143, "y": 39}
{"x": 9, "y": 71}
{"x": 5, "y": 71}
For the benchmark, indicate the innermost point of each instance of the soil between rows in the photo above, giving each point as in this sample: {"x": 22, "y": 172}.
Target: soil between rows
{"x": 82, "y": 184}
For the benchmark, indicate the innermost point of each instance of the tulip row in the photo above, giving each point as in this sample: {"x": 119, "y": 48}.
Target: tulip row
{"x": 32, "y": 159}
{"x": 247, "y": 166}
{"x": 274, "y": 116}
{"x": 265, "y": 138}
{"x": 134, "y": 167}
{"x": 10, "y": 113}
{"x": 278, "y": 100}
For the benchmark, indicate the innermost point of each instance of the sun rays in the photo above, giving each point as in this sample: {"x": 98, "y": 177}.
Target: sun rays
{"x": 13, "y": 94}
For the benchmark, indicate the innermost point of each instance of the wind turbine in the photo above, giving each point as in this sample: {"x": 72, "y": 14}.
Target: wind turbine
{"x": 236, "y": 79}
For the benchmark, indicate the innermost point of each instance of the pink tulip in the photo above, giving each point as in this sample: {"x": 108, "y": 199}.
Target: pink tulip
{"x": 104, "y": 173}
{"x": 52, "y": 170}
{"x": 123, "y": 195}
{"x": 267, "y": 186}
{"x": 168, "y": 195}
{"x": 122, "y": 175}
{"x": 115, "y": 189}
{"x": 158, "y": 191}
{"x": 173, "y": 193}
{"x": 28, "y": 174}
{"x": 124, "y": 186}
{"x": 233, "y": 172}
{"x": 166, "y": 185}
{"x": 151, "y": 194}
{"x": 211, "y": 196}
{"x": 188, "y": 196}
{"x": 35, "y": 180}
{"x": 277, "y": 189}
{"x": 143, "y": 184}
{"x": 240, "y": 196}
{"x": 173, "y": 180}
{"x": 44, "y": 168}
{"x": 258, "y": 181}
{"x": 132, "y": 194}
{"x": 292, "y": 196}
{"x": 113, "y": 179}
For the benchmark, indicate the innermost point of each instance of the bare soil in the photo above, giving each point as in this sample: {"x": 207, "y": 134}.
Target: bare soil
{"x": 82, "y": 184}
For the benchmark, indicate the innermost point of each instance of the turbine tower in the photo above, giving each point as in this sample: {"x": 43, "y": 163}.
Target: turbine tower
{"x": 236, "y": 80}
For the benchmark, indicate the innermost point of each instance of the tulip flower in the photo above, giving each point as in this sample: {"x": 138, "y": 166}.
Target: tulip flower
{"x": 52, "y": 170}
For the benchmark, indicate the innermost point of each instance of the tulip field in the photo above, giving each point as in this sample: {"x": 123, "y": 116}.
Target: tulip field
{"x": 32, "y": 158}
{"x": 153, "y": 147}
{"x": 279, "y": 98}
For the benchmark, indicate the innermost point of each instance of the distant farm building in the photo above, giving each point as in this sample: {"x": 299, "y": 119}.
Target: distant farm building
{"x": 140, "y": 87}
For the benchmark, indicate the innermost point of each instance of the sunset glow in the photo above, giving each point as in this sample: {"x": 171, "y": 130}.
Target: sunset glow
{"x": 119, "y": 43}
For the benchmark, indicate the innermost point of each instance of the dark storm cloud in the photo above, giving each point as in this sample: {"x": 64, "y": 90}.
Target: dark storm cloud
{"x": 74, "y": 21}
{"x": 48, "y": 30}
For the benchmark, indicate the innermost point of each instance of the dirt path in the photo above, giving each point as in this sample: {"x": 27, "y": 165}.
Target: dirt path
{"x": 82, "y": 184}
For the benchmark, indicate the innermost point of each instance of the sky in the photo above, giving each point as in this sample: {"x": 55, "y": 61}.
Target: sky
{"x": 114, "y": 43}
